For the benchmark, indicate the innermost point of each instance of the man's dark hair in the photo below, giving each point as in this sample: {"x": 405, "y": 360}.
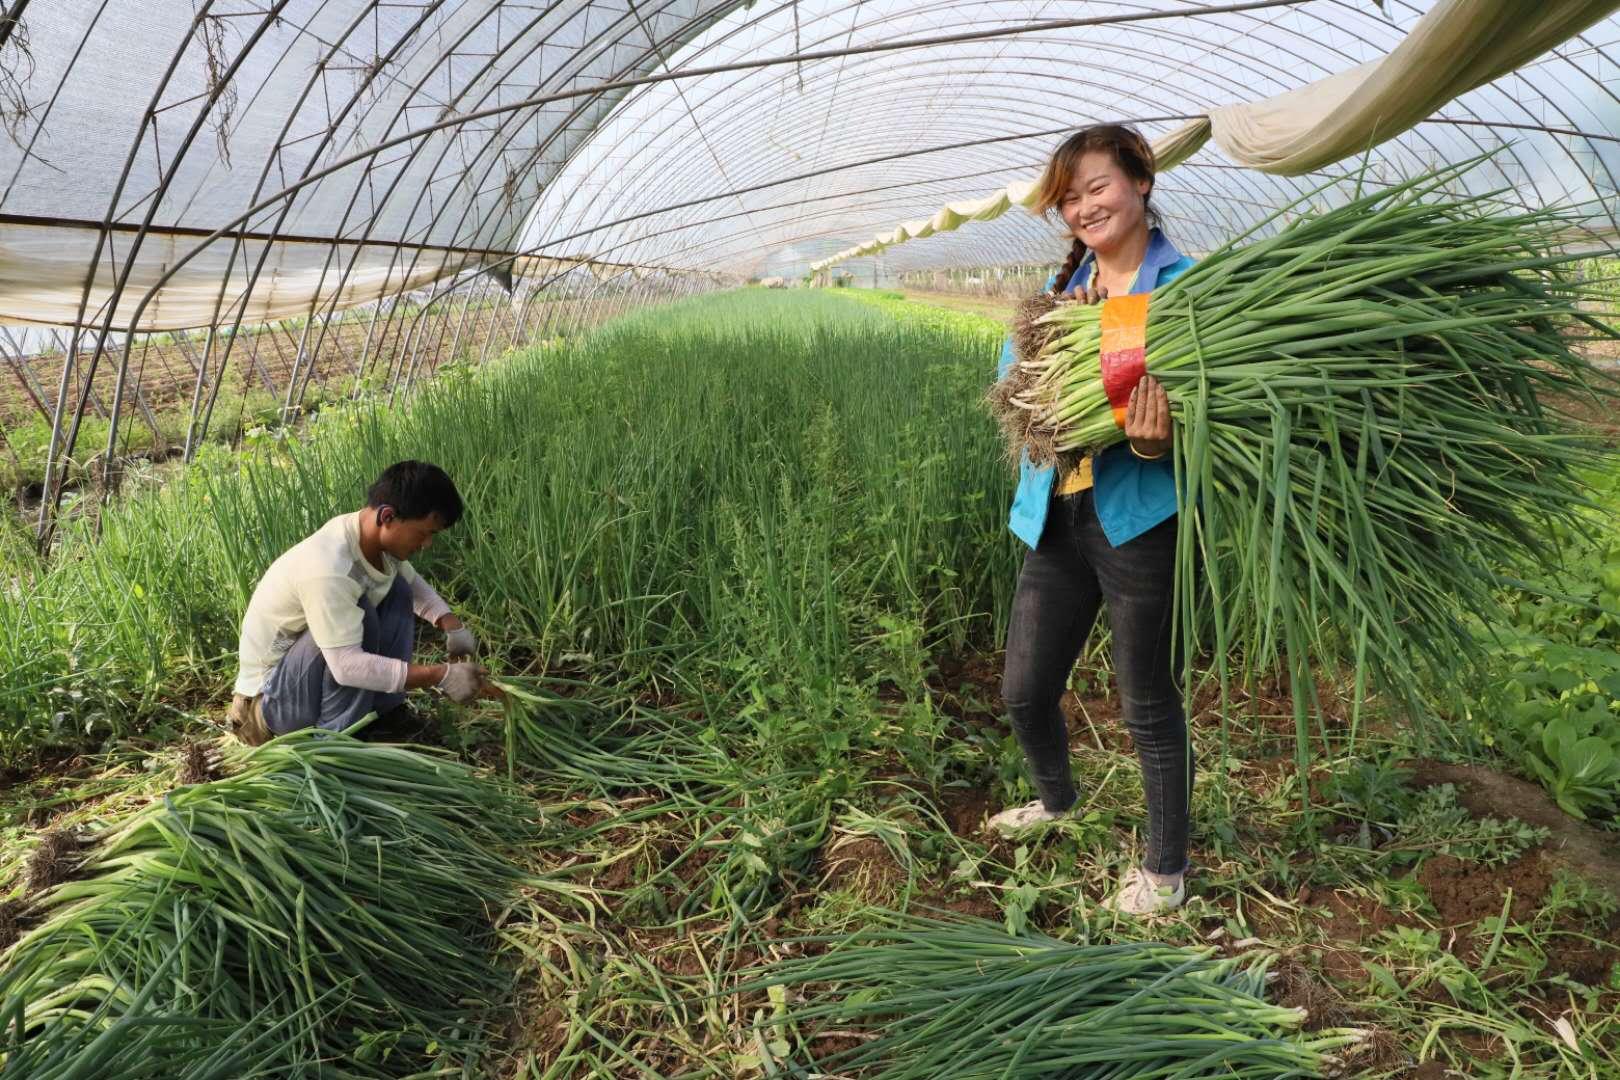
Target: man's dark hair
{"x": 416, "y": 489}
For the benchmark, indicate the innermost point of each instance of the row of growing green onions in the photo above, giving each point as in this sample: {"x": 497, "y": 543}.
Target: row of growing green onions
{"x": 734, "y": 487}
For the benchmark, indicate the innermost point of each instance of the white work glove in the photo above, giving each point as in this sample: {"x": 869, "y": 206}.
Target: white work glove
{"x": 462, "y": 682}
{"x": 460, "y": 643}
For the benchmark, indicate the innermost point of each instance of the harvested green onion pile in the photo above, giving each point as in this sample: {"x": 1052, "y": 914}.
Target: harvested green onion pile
{"x": 926, "y": 999}
{"x": 330, "y": 902}
{"x": 1369, "y": 435}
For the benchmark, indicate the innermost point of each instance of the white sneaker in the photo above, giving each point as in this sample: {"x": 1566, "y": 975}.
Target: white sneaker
{"x": 1140, "y": 894}
{"x": 1022, "y": 817}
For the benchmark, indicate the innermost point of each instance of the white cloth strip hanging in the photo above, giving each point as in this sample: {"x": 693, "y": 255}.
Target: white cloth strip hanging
{"x": 1458, "y": 46}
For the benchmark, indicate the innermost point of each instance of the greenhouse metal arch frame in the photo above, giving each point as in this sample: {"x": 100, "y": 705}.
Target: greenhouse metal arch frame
{"x": 607, "y": 125}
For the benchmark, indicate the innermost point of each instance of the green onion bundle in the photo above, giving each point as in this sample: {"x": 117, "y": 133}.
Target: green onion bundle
{"x": 331, "y": 901}
{"x": 963, "y": 999}
{"x": 1370, "y": 428}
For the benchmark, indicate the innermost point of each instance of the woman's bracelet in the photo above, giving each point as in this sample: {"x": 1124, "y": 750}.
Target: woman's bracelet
{"x": 1145, "y": 457}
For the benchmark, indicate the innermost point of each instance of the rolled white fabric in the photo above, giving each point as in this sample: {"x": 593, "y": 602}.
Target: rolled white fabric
{"x": 352, "y": 666}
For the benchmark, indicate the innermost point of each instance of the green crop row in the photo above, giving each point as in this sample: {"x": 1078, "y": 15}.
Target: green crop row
{"x": 776, "y": 495}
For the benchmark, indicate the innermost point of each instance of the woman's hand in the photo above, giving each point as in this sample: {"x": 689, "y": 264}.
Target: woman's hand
{"x": 1085, "y": 296}
{"x": 1147, "y": 419}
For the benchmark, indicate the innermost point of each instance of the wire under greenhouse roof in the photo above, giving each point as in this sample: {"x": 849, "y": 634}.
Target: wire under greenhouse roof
{"x": 342, "y": 194}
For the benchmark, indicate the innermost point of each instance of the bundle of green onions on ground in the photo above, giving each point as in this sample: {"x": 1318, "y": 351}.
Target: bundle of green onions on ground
{"x": 326, "y": 906}
{"x": 920, "y": 998}
{"x": 1370, "y": 435}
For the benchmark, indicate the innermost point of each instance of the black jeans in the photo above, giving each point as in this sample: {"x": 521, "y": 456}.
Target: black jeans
{"x": 1063, "y": 582}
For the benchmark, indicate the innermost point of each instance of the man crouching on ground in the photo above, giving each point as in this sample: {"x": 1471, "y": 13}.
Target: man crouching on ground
{"x": 329, "y": 633}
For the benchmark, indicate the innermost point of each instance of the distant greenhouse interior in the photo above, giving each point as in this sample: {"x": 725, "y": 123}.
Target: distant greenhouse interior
{"x": 882, "y": 539}
{"x": 328, "y": 198}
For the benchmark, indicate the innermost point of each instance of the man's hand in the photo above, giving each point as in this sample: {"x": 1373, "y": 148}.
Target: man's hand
{"x": 463, "y": 682}
{"x": 460, "y": 643}
{"x": 458, "y": 640}
{"x": 1147, "y": 419}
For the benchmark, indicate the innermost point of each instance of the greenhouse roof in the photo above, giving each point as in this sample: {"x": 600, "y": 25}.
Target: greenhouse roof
{"x": 190, "y": 164}
{"x": 340, "y": 150}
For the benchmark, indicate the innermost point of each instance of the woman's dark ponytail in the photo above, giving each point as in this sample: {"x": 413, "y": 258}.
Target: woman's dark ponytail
{"x": 1077, "y": 252}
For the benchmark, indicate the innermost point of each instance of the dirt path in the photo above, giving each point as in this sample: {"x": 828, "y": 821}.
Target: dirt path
{"x": 994, "y": 307}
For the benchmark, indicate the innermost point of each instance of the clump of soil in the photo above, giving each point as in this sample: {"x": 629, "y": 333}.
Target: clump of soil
{"x": 11, "y": 914}
{"x": 619, "y": 874}
{"x": 964, "y": 809}
{"x": 195, "y": 766}
{"x": 52, "y": 862}
{"x": 865, "y": 867}
{"x": 51, "y": 761}
{"x": 547, "y": 1034}
{"x": 1583, "y": 961}
{"x": 692, "y": 868}
{"x": 671, "y": 953}
{"x": 1351, "y": 916}
{"x": 959, "y": 681}
{"x": 1095, "y": 720}
{"x": 1588, "y": 851}
{"x": 823, "y": 1047}
{"x": 975, "y": 905}
{"x": 1464, "y": 893}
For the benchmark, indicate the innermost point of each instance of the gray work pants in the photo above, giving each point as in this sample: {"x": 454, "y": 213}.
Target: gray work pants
{"x": 300, "y": 692}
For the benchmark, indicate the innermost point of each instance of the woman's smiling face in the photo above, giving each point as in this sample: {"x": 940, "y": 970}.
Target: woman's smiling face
{"x": 1103, "y": 206}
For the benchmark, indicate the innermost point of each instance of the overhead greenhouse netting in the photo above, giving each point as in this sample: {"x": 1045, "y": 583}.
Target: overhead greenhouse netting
{"x": 688, "y": 539}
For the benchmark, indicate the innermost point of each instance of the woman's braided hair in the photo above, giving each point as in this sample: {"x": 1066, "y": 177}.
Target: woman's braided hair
{"x": 1130, "y": 152}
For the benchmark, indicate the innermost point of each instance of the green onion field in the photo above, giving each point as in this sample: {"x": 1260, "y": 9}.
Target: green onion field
{"x": 741, "y": 564}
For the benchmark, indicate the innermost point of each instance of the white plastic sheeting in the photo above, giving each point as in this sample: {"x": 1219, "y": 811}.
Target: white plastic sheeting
{"x": 181, "y": 118}
{"x": 1458, "y": 46}
{"x": 764, "y": 171}
{"x": 388, "y": 145}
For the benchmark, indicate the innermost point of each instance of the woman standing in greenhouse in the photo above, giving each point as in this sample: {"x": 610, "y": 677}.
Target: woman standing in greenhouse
{"x": 1104, "y": 528}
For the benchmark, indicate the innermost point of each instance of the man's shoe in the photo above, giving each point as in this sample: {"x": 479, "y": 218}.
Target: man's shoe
{"x": 247, "y": 721}
{"x": 401, "y": 724}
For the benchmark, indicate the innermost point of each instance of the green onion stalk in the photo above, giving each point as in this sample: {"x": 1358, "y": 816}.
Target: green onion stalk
{"x": 330, "y": 901}
{"x": 1373, "y": 430}
{"x": 962, "y": 998}
{"x": 745, "y": 830}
